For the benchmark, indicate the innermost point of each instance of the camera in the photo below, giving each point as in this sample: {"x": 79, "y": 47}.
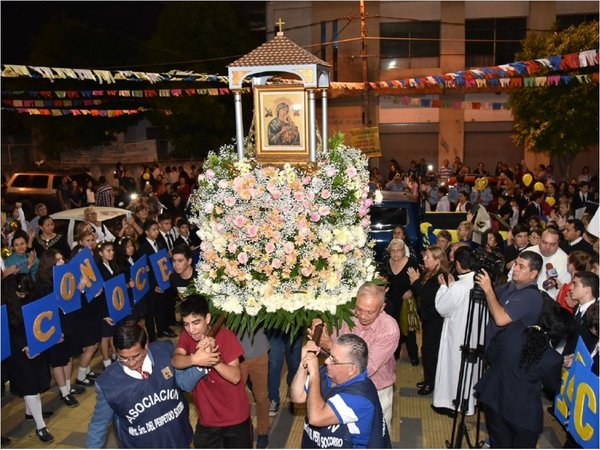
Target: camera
{"x": 487, "y": 264}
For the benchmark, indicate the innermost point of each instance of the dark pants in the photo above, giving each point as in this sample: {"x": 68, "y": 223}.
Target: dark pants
{"x": 281, "y": 347}
{"x": 410, "y": 340}
{"x": 233, "y": 436}
{"x": 432, "y": 332}
{"x": 504, "y": 434}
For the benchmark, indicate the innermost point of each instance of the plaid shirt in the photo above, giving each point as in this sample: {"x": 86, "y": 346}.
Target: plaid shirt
{"x": 104, "y": 196}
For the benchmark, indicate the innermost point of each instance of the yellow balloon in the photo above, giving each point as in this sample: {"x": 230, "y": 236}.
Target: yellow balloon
{"x": 6, "y": 253}
{"x": 527, "y": 179}
{"x": 551, "y": 201}
{"x": 14, "y": 225}
{"x": 539, "y": 186}
{"x": 146, "y": 176}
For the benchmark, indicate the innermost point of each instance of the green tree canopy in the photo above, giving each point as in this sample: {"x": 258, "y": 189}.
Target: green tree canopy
{"x": 560, "y": 121}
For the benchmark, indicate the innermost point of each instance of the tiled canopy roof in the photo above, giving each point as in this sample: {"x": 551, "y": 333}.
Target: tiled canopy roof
{"x": 279, "y": 51}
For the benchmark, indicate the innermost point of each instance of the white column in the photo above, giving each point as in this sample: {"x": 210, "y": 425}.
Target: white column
{"x": 324, "y": 120}
{"x": 311, "y": 126}
{"x": 239, "y": 124}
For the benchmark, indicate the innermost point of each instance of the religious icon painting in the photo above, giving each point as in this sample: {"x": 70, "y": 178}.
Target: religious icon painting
{"x": 281, "y": 124}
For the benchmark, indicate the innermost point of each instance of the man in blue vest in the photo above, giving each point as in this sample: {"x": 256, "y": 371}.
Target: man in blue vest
{"x": 343, "y": 409}
{"x": 140, "y": 396}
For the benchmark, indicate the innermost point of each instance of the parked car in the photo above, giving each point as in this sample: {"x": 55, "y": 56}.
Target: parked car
{"x": 66, "y": 220}
{"x": 31, "y": 188}
{"x": 396, "y": 208}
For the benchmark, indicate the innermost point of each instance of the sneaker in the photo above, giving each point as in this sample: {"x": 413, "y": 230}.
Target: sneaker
{"x": 44, "y": 435}
{"x": 77, "y": 390}
{"x": 87, "y": 382}
{"x": 70, "y": 401}
{"x": 262, "y": 441}
{"x": 45, "y": 415}
{"x": 273, "y": 408}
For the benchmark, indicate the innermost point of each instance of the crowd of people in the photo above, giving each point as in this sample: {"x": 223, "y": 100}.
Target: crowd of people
{"x": 540, "y": 286}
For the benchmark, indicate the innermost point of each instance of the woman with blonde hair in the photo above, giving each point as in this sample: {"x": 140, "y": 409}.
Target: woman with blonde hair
{"x": 424, "y": 286}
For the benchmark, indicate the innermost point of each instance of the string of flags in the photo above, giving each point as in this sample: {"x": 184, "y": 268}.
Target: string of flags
{"x": 106, "y": 76}
{"x": 58, "y": 112}
{"x": 412, "y": 102}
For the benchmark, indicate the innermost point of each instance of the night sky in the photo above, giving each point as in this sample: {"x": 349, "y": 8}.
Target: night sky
{"x": 22, "y": 21}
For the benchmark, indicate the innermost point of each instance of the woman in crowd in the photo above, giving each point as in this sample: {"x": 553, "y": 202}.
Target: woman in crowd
{"x": 535, "y": 236}
{"x": 90, "y": 193}
{"x": 424, "y": 286}
{"x": 444, "y": 239}
{"x": 89, "y": 325}
{"x": 397, "y": 273}
{"x": 394, "y": 170}
{"x": 24, "y": 258}
{"x": 48, "y": 238}
{"x": 75, "y": 195}
{"x": 521, "y": 360}
{"x": 490, "y": 255}
{"x": 400, "y": 233}
{"x": 59, "y": 355}
{"x": 28, "y": 373}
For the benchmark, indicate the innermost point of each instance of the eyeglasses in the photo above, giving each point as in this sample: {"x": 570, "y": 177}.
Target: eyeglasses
{"x": 132, "y": 359}
{"x": 333, "y": 362}
{"x": 358, "y": 311}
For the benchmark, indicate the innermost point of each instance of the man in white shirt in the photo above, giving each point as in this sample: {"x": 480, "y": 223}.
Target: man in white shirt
{"x": 554, "y": 262}
{"x": 103, "y": 234}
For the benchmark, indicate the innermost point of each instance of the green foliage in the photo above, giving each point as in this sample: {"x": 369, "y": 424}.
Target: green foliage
{"x": 558, "y": 120}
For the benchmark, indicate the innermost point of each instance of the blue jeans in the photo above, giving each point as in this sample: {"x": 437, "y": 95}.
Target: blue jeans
{"x": 280, "y": 347}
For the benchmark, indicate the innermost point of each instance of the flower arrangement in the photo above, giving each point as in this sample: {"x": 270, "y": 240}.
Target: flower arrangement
{"x": 282, "y": 245}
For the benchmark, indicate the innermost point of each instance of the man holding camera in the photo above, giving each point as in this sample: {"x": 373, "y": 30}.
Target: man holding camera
{"x": 519, "y": 299}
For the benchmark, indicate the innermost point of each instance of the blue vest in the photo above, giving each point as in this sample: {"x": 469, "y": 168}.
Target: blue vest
{"x": 338, "y": 436}
{"x": 151, "y": 413}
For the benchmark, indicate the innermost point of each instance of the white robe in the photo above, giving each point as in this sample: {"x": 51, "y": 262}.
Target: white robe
{"x": 453, "y": 305}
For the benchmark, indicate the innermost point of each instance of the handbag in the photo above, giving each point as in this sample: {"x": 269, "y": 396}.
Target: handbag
{"x": 409, "y": 318}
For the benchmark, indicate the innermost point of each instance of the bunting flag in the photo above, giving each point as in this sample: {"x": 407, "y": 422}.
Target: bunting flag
{"x": 106, "y": 76}
{"x": 80, "y": 112}
{"x": 67, "y": 96}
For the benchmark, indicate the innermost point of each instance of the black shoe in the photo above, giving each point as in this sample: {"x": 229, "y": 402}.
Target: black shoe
{"x": 45, "y": 415}
{"x": 77, "y": 390}
{"x": 44, "y": 435}
{"x": 85, "y": 382}
{"x": 92, "y": 375}
{"x": 425, "y": 390}
{"x": 70, "y": 401}
{"x": 420, "y": 384}
{"x": 5, "y": 441}
{"x": 414, "y": 362}
{"x": 262, "y": 441}
{"x": 443, "y": 411}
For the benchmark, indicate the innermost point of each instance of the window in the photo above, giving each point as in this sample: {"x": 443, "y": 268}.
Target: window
{"x": 564, "y": 22}
{"x": 495, "y": 41}
{"x": 31, "y": 181}
{"x": 409, "y": 44}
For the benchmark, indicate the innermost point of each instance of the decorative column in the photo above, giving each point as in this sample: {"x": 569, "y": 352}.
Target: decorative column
{"x": 312, "y": 136}
{"x": 324, "y": 119}
{"x": 239, "y": 123}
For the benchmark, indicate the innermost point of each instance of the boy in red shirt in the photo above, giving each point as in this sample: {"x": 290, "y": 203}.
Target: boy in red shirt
{"x": 221, "y": 400}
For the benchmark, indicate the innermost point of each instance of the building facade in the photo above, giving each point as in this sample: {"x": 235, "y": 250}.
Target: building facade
{"x": 396, "y": 40}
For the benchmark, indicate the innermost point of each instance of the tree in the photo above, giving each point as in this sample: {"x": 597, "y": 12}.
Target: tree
{"x": 560, "y": 121}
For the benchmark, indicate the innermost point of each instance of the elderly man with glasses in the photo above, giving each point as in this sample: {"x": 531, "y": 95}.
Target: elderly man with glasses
{"x": 342, "y": 406}
{"x": 140, "y": 396}
{"x": 381, "y": 333}
{"x": 103, "y": 234}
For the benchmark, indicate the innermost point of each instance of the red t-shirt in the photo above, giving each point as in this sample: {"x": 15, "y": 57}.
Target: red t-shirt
{"x": 218, "y": 402}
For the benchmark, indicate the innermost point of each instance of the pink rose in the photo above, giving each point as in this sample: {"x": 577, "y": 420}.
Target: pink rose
{"x": 346, "y": 248}
{"x": 270, "y": 247}
{"x": 362, "y": 212}
{"x": 330, "y": 171}
{"x": 252, "y": 230}
{"x": 242, "y": 258}
{"x": 306, "y": 271}
{"x": 220, "y": 227}
{"x": 324, "y": 210}
{"x": 365, "y": 222}
{"x": 239, "y": 221}
{"x": 232, "y": 248}
{"x": 298, "y": 196}
{"x": 276, "y": 195}
{"x": 222, "y": 184}
{"x": 210, "y": 173}
{"x": 314, "y": 217}
{"x": 288, "y": 248}
{"x": 306, "y": 180}
{"x": 351, "y": 172}
{"x": 208, "y": 208}
{"x": 276, "y": 263}
{"x": 325, "y": 194}
{"x": 230, "y": 201}
{"x": 368, "y": 202}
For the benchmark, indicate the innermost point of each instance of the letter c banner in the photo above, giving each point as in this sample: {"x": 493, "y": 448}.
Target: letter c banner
{"x": 42, "y": 324}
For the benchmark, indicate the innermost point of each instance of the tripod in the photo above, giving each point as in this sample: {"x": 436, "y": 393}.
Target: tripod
{"x": 472, "y": 352}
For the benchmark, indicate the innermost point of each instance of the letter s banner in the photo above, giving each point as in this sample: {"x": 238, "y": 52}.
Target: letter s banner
{"x": 42, "y": 324}
{"x": 5, "y": 333}
{"x": 139, "y": 275}
{"x": 66, "y": 278}
{"x": 117, "y": 298}
{"x": 162, "y": 268}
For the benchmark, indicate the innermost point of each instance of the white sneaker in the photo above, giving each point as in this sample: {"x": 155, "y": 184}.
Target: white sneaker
{"x": 273, "y": 408}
